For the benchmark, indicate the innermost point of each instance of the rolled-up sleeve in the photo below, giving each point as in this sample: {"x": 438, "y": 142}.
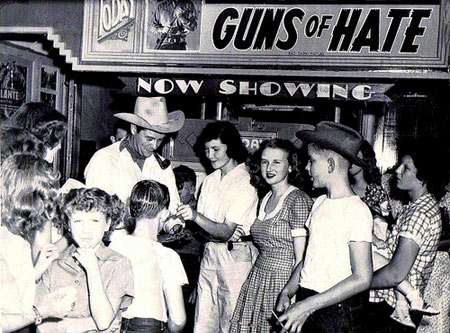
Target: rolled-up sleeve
{"x": 242, "y": 200}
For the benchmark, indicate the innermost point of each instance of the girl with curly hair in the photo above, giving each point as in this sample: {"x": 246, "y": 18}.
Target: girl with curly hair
{"x": 28, "y": 196}
{"x": 102, "y": 278}
{"x": 280, "y": 222}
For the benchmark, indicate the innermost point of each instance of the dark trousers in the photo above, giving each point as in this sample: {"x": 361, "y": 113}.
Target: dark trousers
{"x": 346, "y": 316}
{"x": 139, "y": 325}
{"x": 379, "y": 321}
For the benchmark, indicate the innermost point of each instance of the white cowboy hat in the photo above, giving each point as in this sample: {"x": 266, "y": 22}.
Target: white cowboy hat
{"x": 151, "y": 113}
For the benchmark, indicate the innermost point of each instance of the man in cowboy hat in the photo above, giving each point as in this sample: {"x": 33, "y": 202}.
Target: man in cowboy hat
{"x": 118, "y": 167}
{"x": 337, "y": 266}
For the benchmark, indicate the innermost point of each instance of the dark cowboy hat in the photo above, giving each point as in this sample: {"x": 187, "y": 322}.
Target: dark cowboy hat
{"x": 336, "y": 137}
{"x": 151, "y": 113}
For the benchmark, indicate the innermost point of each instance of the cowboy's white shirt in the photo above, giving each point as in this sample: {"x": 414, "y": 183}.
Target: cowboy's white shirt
{"x": 115, "y": 172}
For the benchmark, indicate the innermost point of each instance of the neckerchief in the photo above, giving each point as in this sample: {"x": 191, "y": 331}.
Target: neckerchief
{"x": 137, "y": 158}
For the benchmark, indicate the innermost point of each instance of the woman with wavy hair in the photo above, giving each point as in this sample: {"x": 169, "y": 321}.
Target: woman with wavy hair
{"x": 412, "y": 242}
{"x": 17, "y": 140}
{"x": 49, "y": 126}
{"x": 46, "y": 123}
{"x": 28, "y": 192}
{"x": 278, "y": 232}
{"x": 227, "y": 200}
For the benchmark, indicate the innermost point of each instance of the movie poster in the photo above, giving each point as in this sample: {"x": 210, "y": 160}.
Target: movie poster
{"x": 172, "y": 25}
{"x": 13, "y": 87}
{"x": 49, "y": 84}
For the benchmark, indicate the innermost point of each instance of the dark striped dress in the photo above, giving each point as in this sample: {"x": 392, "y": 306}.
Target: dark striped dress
{"x": 273, "y": 234}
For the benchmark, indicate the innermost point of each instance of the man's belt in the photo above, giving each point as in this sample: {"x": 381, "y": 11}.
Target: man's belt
{"x": 242, "y": 239}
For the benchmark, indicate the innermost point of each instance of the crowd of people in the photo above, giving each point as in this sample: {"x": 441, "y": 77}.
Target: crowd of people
{"x": 267, "y": 253}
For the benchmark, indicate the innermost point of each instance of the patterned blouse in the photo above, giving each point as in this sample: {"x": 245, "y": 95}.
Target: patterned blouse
{"x": 419, "y": 221}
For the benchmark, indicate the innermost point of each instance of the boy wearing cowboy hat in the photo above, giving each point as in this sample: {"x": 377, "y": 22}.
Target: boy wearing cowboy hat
{"x": 118, "y": 167}
{"x": 338, "y": 265}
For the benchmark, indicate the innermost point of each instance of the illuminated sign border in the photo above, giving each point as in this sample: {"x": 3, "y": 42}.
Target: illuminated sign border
{"x": 138, "y": 55}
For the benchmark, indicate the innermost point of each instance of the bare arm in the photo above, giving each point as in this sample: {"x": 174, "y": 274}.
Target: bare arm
{"x": 358, "y": 281}
{"x": 13, "y": 322}
{"x": 55, "y": 305}
{"x": 400, "y": 265}
{"x": 217, "y": 230}
{"x": 175, "y": 306}
{"x": 103, "y": 310}
{"x": 291, "y": 287}
{"x": 299, "y": 248}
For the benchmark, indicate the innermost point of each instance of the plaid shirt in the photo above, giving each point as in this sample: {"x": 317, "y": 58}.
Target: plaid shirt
{"x": 419, "y": 221}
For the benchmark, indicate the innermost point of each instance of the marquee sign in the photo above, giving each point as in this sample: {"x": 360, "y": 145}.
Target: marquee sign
{"x": 282, "y": 34}
{"x": 292, "y": 89}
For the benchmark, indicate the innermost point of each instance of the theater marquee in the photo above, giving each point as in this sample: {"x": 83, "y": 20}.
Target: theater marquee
{"x": 280, "y": 35}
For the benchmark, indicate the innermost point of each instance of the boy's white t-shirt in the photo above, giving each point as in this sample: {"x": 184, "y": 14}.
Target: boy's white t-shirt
{"x": 332, "y": 225}
{"x": 155, "y": 268}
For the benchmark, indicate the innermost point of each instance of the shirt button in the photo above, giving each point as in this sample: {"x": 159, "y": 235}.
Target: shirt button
{"x": 77, "y": 282}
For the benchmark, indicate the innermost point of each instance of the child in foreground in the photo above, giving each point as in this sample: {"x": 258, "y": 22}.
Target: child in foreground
{"x": 101, "y": 277}
{"x": 158, "y": 271}
{"x": 338, "y": 266}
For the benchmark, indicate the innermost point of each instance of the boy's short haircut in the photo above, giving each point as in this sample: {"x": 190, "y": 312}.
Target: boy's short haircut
{"x": 343, "y": 163}
{"x": 148, "y": 198}
{"x": 91, "y": 199}
{"x": 184, "y": 174}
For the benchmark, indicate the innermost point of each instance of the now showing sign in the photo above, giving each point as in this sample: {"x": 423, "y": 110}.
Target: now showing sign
{"x": 271, "y": 88}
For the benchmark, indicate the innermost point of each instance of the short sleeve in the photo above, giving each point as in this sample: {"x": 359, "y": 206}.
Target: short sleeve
{"x": 298, "y": 213}
{"x": 415, "y": 227}
{"x": 172, "y": 269}
{"x": 121, "y": 284}
{"x": 242, "y": 207}
{"x": 360, "y": 223}
{"x": 316, "y": 204}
